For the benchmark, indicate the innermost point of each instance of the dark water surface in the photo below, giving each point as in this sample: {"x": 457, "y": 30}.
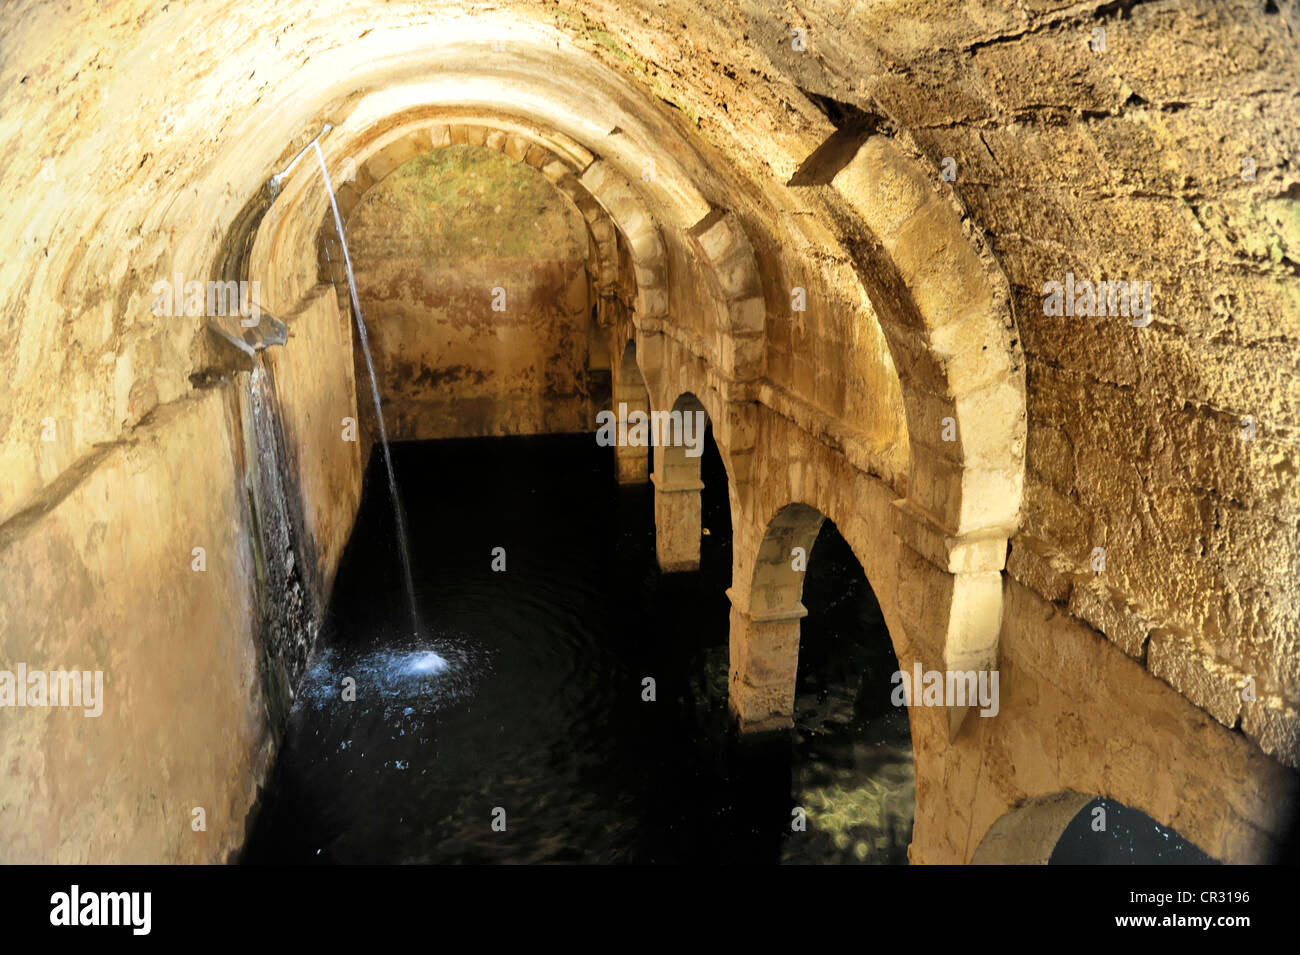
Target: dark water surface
{"x": 1129, "y": 837}
{"x": 525, "y": 692}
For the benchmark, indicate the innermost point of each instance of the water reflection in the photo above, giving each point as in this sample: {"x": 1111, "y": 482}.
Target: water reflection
{"x": 853, "y": 770}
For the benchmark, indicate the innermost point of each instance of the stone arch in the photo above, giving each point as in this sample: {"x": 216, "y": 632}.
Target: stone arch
{"x": 778, "y": 582}
{"x": 644, "y": 242}
{"x": 765, "y": 627}
{"x": 1030, "y": 833}
{"x": 608, "y": 173}
{"x": 1027, "y": 834}
{"x": 609, "y": 204}
{"x": 613, "y": 208}
{"x": 945, "y": 309}
{"x": 557, "y": 158}
{"x": 725, "y": 247}
{"x": 673, "y": 369}
{"x": 952, "y": 337}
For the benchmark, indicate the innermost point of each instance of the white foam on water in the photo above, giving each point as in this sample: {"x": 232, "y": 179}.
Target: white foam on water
{"x": 427, "y": 662}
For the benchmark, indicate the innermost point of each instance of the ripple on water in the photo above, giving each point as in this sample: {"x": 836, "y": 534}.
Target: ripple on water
{"x": 526, "y": 693}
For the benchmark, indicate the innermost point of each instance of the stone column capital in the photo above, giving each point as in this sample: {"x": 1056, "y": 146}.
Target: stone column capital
{"x": 974, "y": 552}
{"x": 739, "y": 604}
{"x": 673, "y": 486}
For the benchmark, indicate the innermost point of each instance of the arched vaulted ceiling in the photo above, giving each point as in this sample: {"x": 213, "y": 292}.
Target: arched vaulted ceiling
{"x": 160, "y": 196}
{"x": 919, "y": 169}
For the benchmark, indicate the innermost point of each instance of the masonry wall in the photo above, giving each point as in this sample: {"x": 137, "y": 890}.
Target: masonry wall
{"x": 824, "y": 344}
{"x": 317, "y": 391}
{"x": 431, "y": 243}
{"x": 187, "y": 718}
{"x": 184, "y": 719}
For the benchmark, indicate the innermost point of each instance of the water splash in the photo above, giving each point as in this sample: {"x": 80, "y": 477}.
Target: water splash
{"x": 374, "y": 392}
{"x": 428, "y": 662}
{"x": 408, "y": 680}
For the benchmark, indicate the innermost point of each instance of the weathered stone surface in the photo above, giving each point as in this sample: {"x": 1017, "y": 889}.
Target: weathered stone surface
{"x": 1166, "y": 156}
{"x": 183, "y": 708}
{"x": 317, "y": 398}
{"x": 470, "y": 271}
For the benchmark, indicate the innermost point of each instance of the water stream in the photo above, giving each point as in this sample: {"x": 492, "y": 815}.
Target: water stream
{"x": 402, "y": 539}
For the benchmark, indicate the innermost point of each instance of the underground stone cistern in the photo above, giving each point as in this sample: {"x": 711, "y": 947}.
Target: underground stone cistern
{"x": 836, "y": 249}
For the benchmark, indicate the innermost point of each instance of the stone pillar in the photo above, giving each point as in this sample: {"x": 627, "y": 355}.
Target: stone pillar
{"x": 764, "y": 661}
{"x": 951, "y": 597}
{"x": 677, "y": 523}
{"x": 631, "y": 465}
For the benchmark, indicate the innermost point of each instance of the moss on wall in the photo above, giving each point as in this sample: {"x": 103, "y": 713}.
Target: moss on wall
{"x": 432, "y": 243}
{"x": 467, "y": 202}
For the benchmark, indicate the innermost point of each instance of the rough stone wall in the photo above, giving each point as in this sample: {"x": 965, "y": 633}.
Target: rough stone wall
{"x": 100, "y": 572}
{"x": 315, "y": 384}
{"x": 133, "y": 138}
{"x": 184, "y": 722}
{"x": 431, "y": 243}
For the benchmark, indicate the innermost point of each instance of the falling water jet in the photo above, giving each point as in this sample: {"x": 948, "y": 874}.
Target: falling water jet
{"x": 370, "y": 368}
{"x": 374, "y": 388}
